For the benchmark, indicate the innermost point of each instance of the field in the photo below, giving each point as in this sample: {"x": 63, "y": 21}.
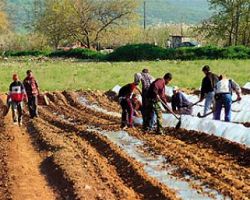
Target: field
{"x": 76, "y": 149}
{"x": 59, "y": 75}
{"x": 67, "y": 153}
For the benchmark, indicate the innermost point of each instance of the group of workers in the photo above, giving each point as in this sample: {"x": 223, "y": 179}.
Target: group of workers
{"x": 216, "y": 90}
{"x": 20, "y": 92}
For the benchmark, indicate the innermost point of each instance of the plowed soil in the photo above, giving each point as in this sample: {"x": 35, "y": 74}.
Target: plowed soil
{"x": 55, "y": 156}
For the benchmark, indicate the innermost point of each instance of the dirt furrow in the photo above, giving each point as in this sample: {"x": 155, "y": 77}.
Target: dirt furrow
{"x": 127, "y": 169}
{"x": 4, "y": 145}
{"x": 89, "y": 173}
{"x": 217, "y": 171}
{"x": 227, "y": 173}
{"x": 23, "y": 163}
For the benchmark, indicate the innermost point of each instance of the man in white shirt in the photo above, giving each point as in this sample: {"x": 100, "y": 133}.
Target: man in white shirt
{"x": 223, "y": 97}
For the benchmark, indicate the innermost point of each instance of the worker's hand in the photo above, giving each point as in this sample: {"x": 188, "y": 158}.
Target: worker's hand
{"x": 176, "y": 112}
{"x": 238, "y": 98}
{"x": 158, "y": 98}
{"x": 25, "y": 100}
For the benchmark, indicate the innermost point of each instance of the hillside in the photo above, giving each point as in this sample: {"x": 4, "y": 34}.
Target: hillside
{"x": 158, "y": 11}
{"x": 176, "y": 11}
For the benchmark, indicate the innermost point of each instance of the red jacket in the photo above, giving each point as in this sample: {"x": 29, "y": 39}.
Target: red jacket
{"x": 157, "y": 88}
{"x": 17, "y": 91}
{"x": 127, "y": 90}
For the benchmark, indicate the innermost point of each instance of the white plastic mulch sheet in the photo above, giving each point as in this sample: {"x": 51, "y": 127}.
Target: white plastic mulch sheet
{"x": 157, "y": 167}
{"x": 247, "y": 86}
{"x": 230, "y": 131}
{"x": 240, "y": 110}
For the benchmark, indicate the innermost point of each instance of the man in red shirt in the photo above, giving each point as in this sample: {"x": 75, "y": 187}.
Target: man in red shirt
{"x": 124, "y": 96}
{"x": 32, "y": 91}
{"x": 156, "y": 94}
{"x": 15, "y": 97}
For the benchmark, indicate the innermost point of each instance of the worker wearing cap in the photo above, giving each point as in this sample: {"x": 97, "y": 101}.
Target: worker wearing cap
{"x": 15, "y": 97}
{"x": 32, "y": 91}
{"x": 180, "y": 104}
{"x": 207, "y": 87}
{"x": 223, "y": 97}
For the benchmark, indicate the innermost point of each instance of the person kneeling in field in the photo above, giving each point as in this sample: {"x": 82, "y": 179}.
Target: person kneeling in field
{"x": 124, "y": 96}
{"x": 223, "y": 97}
{"x": 16, "y": 96}
{"x": 180, "y": 104}
{"x": 137, "y": 105}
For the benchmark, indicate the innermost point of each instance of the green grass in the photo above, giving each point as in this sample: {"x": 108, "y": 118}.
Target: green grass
{"x": 58, "y": 75}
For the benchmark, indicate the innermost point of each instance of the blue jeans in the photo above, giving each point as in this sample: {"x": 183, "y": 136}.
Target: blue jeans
{"x": 208, "y": 102}
{"x": 152, "y": 120}
{"x": 226, "y": 101}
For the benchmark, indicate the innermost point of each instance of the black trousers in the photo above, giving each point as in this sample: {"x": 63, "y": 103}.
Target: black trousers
{"x": 32, "y": 104}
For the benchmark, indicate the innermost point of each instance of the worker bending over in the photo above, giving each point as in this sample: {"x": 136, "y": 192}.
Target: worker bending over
{"x": 125, "y": 95}
{"x": 180, "y": 104}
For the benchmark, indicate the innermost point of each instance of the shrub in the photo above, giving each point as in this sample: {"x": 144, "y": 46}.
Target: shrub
{"x": 78, "y": 53}
{"x": 236, "y": 52}
{"x": 26, "y": 53}
{"x": 136, "y": 52}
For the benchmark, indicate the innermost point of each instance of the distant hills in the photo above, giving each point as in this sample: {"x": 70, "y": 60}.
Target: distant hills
{"x": 20, "y": 13}
{"x": 176, "y": 11}
{"x": 157, "y": 11}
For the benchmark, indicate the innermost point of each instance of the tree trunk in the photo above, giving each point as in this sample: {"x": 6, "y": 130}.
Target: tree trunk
{"x": 237, "y": 23}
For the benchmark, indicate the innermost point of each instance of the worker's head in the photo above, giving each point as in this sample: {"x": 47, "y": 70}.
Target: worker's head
{"x": 206, "y": 69}
{"x": 168, "y": 77}
{"x": 137, "y": 78}
{"x": 176, "y": 89}
{"x": 15, "y": 77}
{"x": 222, "y": 76}
{"x": 146, "y": 71}
{"x": 29, "y": 73}
{"x": 134, "y": 96}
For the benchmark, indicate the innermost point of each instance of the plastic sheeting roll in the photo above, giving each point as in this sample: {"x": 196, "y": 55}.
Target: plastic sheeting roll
{"x": 233, "y": 132}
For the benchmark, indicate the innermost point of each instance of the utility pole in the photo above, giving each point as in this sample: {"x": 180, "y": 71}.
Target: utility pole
{"x": 144, "y": 11}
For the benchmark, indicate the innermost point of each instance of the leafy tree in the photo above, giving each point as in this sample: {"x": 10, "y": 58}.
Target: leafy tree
{"x": 4, "y": 23}
{"x": 229, "y": 23}
{"x": 85, "y": 21}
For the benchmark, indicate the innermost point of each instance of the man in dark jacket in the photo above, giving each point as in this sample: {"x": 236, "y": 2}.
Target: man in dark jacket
{"x": 124, "y": 96}
{"x": 15, "y": 97}
{"x": 180, "y": 104}
{"x": 156, "y": 95}
{"x": 207, "y": 87}
{"x": 32, "y": 91}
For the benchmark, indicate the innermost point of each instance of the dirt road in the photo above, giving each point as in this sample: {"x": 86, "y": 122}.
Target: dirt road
{"x": 23, "y": 164}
